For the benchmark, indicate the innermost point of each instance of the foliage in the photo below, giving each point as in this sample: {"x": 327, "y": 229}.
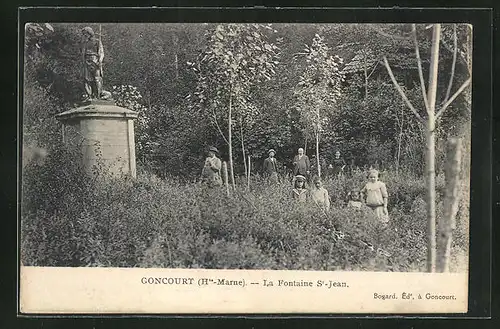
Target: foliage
{"x": 368, "y": 129}
{"x": 126, "y": 223}
{"x": 237, "y": 57}
{"x": 130, "y": 97}
{"x": 183, "y": 96}
{"x": 319, "y": 85}
{"x": 58, "y": 65}
{"x": 154, "y": 58}
{"x": 34, "y": 34}
{"x": 40, "y": 127}
{"x": 40, "y": 103}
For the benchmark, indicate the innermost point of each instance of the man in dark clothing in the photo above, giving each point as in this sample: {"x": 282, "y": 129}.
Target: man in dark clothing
{"x": 301, "y": 164}
{"x": 271, "y": 167}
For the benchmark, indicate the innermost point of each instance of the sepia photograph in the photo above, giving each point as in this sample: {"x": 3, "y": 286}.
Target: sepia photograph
{"x": 247, "y": 158}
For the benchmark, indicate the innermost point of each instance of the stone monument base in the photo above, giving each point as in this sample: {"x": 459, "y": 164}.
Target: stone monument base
{"x": 104, "y": 133}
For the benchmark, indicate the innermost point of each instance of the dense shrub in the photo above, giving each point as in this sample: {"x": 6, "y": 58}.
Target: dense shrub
{"x": 153, "y": 222}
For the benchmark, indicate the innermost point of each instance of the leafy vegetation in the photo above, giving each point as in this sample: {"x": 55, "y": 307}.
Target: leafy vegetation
{"x": 250, "y": 87}
{"x": 127, "y": 223}
{"x": 318, "y": 89}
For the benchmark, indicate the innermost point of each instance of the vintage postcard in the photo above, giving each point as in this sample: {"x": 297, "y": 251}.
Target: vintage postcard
{"x": 255, "y": 168}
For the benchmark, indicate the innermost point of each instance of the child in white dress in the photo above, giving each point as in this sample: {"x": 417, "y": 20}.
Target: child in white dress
{"x": 376, "y": 196}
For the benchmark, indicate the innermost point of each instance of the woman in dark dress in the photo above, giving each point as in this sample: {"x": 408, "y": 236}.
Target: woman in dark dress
{"x": 338, "y": 164}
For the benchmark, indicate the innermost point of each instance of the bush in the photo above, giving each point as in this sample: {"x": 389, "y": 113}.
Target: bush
{"x": 153, "y": 222}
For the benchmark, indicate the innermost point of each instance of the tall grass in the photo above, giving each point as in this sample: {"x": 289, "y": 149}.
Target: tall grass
{"x": 153, "y": 222}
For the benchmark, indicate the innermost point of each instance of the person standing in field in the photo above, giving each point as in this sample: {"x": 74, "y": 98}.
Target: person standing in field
{"x": 299, "y": 191}
{"x": 301, "y": 164}
{"x": 271, "y": 167}
{"x": 354, "y": 199}
{"x": 211, "y": 169}
{"x": 337, "y": 165}
{"x": 376, "y": 196}
{"x": 319, "y": 195}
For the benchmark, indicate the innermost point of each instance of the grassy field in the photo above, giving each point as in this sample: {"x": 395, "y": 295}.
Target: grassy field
{"x": 153, "y": 222}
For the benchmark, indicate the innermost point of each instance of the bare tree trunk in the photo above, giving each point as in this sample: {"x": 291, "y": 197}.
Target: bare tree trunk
{"x": 366, "y": 74}
{"x": 317, "y": 155}
{"x": 419, "y": 66}
{"x": 224, "y": 170}
{"x": 248, "y": 173}
{"x": 230, "y": 137}
{"x": 430, "y": 156}
{"x": 452, "y": 197}
{"x": 243, "y": 146}
{"x": 305, "y": 146}
{"x": 463, "y": 217}
{"x": 430, "y": 100}
{"x": 453, "y": 64}
{"x": 176, "y": 67}
{"x": 318, "y": 166}
{"x": 469, "y": 49}
{"x": 466, "y": 146}
{"x": 176, "y": 58}
{"x": 398, "y": 157}
{"x": 149, "y": 100}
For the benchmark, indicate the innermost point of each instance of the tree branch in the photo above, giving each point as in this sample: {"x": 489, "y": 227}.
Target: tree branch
{"x": 450, "y": 83}
{"x": 401, "y": 92}
{"x": 468, "y": 53}
{"x": 450, "y": 49}
{"x": 218, "y": 127}
{"x": 419, "y": 65}
{"x": 452, "y": 98}
{"x": 373, "y": 70}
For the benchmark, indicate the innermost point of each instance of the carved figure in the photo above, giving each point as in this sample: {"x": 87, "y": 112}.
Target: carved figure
{"x": 92, "y": 56}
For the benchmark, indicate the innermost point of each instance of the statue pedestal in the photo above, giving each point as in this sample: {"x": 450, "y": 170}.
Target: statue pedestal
{"x": 104, "y": 133}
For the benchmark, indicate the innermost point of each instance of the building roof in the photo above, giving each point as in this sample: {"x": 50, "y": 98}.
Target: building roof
{"x": 357, "y": 63}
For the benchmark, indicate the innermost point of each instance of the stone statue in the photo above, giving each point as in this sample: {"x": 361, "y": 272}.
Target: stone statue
{"x": 92, "y": 56}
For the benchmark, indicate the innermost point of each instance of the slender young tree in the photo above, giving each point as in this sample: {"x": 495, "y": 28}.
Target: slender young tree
{"x": 433, "y": 114}
{"x": 237, "y": 58}
{"x": 318, "y": 89}
{"x": 451, "y": 202}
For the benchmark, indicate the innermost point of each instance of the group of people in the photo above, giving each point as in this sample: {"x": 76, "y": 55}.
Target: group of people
{"x": 302, "y": 165}
{"x": 373, "y": 195}
{"x": 317, "y": 194}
